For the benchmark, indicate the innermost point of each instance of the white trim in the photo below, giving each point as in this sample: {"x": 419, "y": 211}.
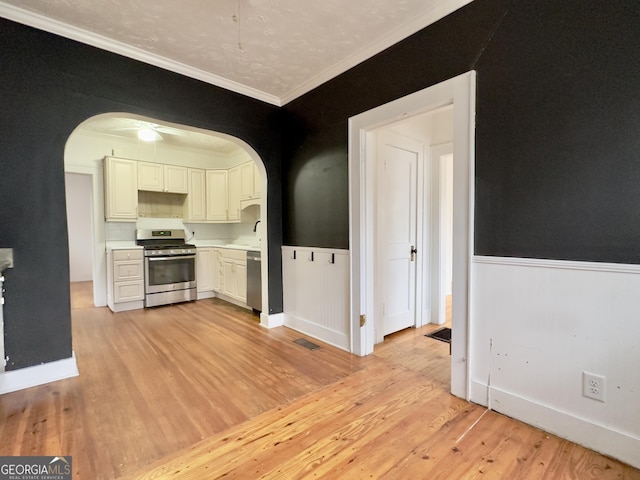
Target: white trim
{"x": 442, "y": 9}
{"x": 271, "y": 321}
{"x": 99, "y": 275}
{"x": 615, "y": 443}
{"x": 319, "y": 332}
{"x": 15, "y": 380}
{"x": 459, "y": 91}
{"x": 89, "y": 38}
{"x": 562, "y": 264}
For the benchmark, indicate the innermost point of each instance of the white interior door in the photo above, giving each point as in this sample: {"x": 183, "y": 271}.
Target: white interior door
{"x": 397, "y": 227}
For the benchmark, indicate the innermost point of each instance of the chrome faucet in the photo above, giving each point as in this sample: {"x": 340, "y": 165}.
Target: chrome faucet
{"x": 255, "y": 227}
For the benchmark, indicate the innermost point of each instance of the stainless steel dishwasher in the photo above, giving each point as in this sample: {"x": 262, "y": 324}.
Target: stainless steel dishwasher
{"x": 254, "y": 280}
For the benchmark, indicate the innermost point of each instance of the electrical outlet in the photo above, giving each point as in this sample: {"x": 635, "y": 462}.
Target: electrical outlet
{"x": 593, "y": 386}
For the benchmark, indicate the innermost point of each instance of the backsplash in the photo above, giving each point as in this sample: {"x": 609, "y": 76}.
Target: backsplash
{"x": 227, "y": 232}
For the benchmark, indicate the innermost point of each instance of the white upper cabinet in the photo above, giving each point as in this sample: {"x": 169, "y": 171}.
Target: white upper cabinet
{"x": 175, "y": 179}
{"x": 212, "y": 196}
{"x": 217, "y": 196}
{"x": 257, "y": 181}
{"x": 235, "y": 182}
{"x": 155, "y": 177}
{"x": 246, "y": 181}
{"x": 249, "y": 181}
{"x": 197, "y": 198}
{"x": 150, "y": 177}
{"x": 121, "y": 189}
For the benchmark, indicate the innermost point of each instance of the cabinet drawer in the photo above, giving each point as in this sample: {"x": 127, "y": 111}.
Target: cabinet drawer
{"x": 128, "y": 254}
{"x": 233, "y": 254}
{"x": 128, "y": 291}
{"x": 127, "y": 270}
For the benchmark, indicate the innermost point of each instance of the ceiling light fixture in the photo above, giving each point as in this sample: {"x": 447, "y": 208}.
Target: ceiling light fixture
{"x": 147, "y": 135}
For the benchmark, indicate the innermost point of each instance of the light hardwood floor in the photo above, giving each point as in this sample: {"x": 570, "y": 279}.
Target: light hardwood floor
{"x": 200, "y": 391}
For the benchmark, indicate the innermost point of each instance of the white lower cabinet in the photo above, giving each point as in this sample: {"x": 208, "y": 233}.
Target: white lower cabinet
{"x": 217, "y": 270}
{"x": 205, "y": 272}
{"x": 222, "y": 271}
{"x": 234, "y": 274}
{"x": 125, "y": 279}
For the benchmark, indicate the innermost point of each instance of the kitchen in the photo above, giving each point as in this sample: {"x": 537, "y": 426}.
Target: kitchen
{"x": 205, "y": 172}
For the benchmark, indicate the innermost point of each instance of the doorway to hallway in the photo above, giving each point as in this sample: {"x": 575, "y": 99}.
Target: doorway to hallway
{"x": 458, "y": 92}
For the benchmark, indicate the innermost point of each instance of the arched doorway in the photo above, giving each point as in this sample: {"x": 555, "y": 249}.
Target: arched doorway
{"x": 116, "y": 134}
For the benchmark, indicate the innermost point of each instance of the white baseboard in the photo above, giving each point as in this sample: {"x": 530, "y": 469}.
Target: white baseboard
{"x": 206, "y": 294}
{"x": 479, "y": 393}
{"x": 271, "y": 321}
{"x": 319, "y": 332}
{"x": 620, "y": 445}
{"x": 14, "y": 380}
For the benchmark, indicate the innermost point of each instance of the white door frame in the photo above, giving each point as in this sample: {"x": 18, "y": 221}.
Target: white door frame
{"x": 459, "y": 91}
{"x": 438, "y": 273}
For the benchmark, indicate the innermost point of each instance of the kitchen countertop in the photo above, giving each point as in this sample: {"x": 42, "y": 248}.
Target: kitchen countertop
{"x": 122, "y": 245}
{"x": 6, "y": 258}
{"x": 127, "y": 245}
{"x": 219, "y": 244}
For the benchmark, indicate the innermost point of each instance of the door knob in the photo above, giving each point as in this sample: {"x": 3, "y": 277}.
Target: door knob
{"x": 413, "y": 253}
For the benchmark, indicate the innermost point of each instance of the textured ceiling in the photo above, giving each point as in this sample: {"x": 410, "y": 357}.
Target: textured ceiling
{"x": 126, "y": 126}
{"x": 273, "y": 50}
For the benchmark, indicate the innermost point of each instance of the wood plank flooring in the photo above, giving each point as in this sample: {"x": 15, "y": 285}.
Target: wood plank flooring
{"x": 200, "y": 391}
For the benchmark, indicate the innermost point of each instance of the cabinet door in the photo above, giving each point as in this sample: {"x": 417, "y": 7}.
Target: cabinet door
{"x": 175, "y": 179}
{"x": 121, "y": 189}
{"x": 204, "y": 270}
{"x": 234, "y": 193}
{"x": 128, "y": 291}
{"x": 257, "y": 181}
{"x": 246, "y": 181}
{"x": 217, "y": 196}
{"x": 241, "y": 281}
{"x": 196, "y": 199}
{"x": 150, "y": 177}
{"x": 125, "y": 271}
{"x": 217, "y": 270}
{"x": 229, "y": 277}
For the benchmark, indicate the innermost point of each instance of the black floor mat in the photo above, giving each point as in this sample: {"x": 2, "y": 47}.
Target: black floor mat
{"x": 443, "y": 334}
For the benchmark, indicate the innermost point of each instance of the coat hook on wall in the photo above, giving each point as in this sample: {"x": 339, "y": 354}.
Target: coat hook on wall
{"x": 333, "y": 258}
{"x": 293, "y": 257}
{"x": 311, "y": 257}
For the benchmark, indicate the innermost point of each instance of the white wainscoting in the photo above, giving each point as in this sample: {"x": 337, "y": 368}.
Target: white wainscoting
{"x": 316, "y": 293}
{"x": 536, "y": 325}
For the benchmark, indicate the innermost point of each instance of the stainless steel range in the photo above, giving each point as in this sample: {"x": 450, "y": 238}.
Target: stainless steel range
{"x": 169, "y": 267}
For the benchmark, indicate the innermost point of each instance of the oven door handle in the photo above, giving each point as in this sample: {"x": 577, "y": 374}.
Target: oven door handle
{"x": 172, "y": 257}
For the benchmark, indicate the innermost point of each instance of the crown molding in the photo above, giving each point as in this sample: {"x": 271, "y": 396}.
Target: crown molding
{"x": 84, "y": 36}
{"x": 41, "y": 22}
{"x": 441, "y": 10}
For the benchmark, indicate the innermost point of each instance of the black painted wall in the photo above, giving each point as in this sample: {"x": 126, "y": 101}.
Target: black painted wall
{"x": 557, "y": 141}
{"x": 49, "y": 85}
{"x": 557, "y": 137}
